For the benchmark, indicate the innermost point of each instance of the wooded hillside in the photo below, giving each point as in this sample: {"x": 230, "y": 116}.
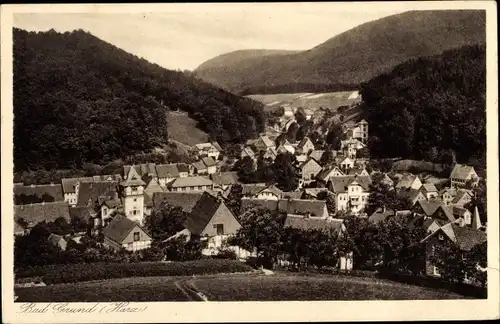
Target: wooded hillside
{"x": 430, "y": 108}
{"x": 78, "y": 99}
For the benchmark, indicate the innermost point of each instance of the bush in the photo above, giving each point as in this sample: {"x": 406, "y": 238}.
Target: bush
{"x": 68, "y": 273}
{"x": 226, "y": 254}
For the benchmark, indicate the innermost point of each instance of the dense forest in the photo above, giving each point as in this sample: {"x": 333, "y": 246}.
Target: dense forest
{"x": 299, "y": 88}
{"x": 430, "y": 108}
{"x": 78, "y": 99}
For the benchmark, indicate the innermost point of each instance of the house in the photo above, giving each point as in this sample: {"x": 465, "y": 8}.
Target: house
{"x": 271, "y": 154}
{"x": 211, "y": 219}
{"x": 152, "y": 186}
{"x": 443, "y": 213}
{"x": 358, "y": 171}
{"x": 305, "y": 146}
{"x": 462, "y": 215}
{"x": 309, "y": 170}
{"x": 351, "y": 192}
{"x": 247, "y": 151}
{"x": 409, "y": 181}
{"x": 317, "y": 154}
{"x": 200, "y": 168}
{"x": 210, "y": 163}
{"x": 330, "y": 225}
{"x": 293, "y": 194}
{"x": 185, "y": 170}
{"x": 123, "y": 233}
{"x": 107, "y": 208}
{"x": 223, "y": 180}
{"x": 58, "y": 240}
{"x": 89, "y": 192}
{"x": 346, "y": 164}
{"x": 301, "y": 158}
{"x": 47, "y": 192}
{"x": 360, "y": 131}
{"x": 313, "y": 208}
{"x": 327, "y": 173}
{"x": 447, "y": 195}
{"x": 462, "y": 198}
{"x": 429, "y": 208}
{"x": 212, "y": 150}
{"x": 385, "y": 179}
{"x": 32, "y": 214}
{"x": 194, "y": 183}
{"x": 107, "y": 177}
{"x": 429, "y": 191}
{"x": 461, "y": 174}
{"x": 263, "y": 143}
{"x": 351, "y": 146}
{"x": 132, "y": 194}
{"x": 312, "y": 193}
{"x": 412, "y": 195}
{"x": 251, "y": 190}
{"x": 286, "y": 147}
{"x": 166, "y": 173}
{"x": 144, "y": 169}
{"x": 464, "y": 238}
{"x": 69, "y": 186}
{"x": 269, "y": 192}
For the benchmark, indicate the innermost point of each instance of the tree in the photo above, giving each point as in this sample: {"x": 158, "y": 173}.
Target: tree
{"x": 361, "y": 239}
{"x": 233, "y": 200}
{"x": 261, "y": 231}
{"x": 245, "y": 169}
{"x": 477, "y": 262}
{"x": 329, "y": 199}
{"x": 334, "y": 136}
{"x": 165, "y": 221}
{"x": 181, "y": 249}
{"x": 291, "y": 133}
{"x": 286, "y": 172}
{"x": 379, "y": 196}
{"x": 450, "y": 261}
{"x": 326, "y": 158}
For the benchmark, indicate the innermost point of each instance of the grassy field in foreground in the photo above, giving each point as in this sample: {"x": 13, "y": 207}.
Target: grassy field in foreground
{"x": 233, "y": 288}
{"x": 291, "y": 287}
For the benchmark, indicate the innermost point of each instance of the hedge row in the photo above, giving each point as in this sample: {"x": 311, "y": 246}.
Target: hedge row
{"x": 68, "y": 273}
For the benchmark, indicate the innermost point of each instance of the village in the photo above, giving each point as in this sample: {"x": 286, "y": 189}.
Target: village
{"x": 330, "y": 191}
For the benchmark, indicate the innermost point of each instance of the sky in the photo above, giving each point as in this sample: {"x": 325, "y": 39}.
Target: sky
{"x": 183, "y": 36}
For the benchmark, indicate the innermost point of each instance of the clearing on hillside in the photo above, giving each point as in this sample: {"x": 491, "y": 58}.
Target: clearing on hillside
{"x": 182, "y": 128}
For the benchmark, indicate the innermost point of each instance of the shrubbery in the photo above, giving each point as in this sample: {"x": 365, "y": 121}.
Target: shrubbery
{"x": 67, "y": 273}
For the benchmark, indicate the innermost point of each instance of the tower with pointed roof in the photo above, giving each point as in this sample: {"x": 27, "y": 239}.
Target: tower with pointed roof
{"x": 132, "y": 189}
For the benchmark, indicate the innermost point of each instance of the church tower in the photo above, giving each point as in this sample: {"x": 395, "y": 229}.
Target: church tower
{"x": 132, "y": 188}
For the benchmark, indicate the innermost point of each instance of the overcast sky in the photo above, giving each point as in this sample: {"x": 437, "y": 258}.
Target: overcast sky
{"x": 184, "y": 36}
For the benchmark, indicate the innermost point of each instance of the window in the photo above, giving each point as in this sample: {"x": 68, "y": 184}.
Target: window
{"x": 435, "y": 271}
{"x": 137, "y": 236}
{"x": 219, "y": 228}
{"x": 135, "y": 199}
{"x": 134, "y": 212}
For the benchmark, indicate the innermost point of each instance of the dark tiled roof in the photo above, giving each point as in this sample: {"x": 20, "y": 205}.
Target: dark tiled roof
{"x": 217, "y": 146}
{"x": 310, "y": 223}
{"x": 429, "y": 207}
{"x": 293, "y": 194}
{"x": 340, "y": 184}
{"x": 225, "y": 178}
{"x": 133, "y": 178}
{"x": 118, "y": 229}
{"x": 167, "y": 171}
{"x": 460, "y": 194}
{"x": 107, "y": 177}
{"x": 186, "y": 200}
{"x": 54, "y": 190}
{"x": 467, "y": 238}
{"x": 93, "y": 190}
{"x": 35, "y": 213}
{"x": 251, "y": 189}
{"x": 209, "y": 161}
{"x": 202, "y": 213}
{"x": 182, "y": 167}
{"x": 199, "y": 166}
{"x": 409, "y": 193}
{"x": 191, "y": 182}
{"x": 69, "y": 184}
{"x": 290, "y": 206}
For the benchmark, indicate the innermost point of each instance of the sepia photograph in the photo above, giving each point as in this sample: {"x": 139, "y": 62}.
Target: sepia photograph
{"x": 248, "y": 152}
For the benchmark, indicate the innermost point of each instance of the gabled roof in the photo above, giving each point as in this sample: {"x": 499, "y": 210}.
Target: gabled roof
{"x": 217, "y": 146}
{"x": 248, "y": 151}
{"x": 303, "y": 142}
{"x": 152, "y": 187}
{"x": 346, "y": 159}
{"x": 183, "y": 167}
{"x": 409, "y": 193}
{"x": 458, "y": 211}
{"x": 317, "y": 154}
{"x": 429, "y": 187}
{"x": 272, "y": 188}
{"x": 357, "y": 171}
{"x": 93, "y": 190}
{"x": 461, "y": 171}
{"x": 325, "y": 172}
{"x": 466, "y": 238}
{"x": 199, "y": 165}
{"x": 36, "y": 213}
{"x": 460, "y": 194}
{"x": 53, "y": 190}
{"x": 340, "y": 183}
{"x": 406, "y": 181}
{"x": 313, "y": 192}
{"x": 311, "y": 223}
{"x": 191, "y": 182}
{"x": 133, "y": 179}
{"x": 308, "y": 161}
{"x": 267, "y": 141}
{"x": 68, "y": 184}
{"x": 451, "y": 191}
{"x": 203, "y": 212}
{"x": 141, "y": 169}
{"x": 290, "y": 206}
{"x": 107, "y": 177}
{"x": 119, "y": 228}
{"x": 292, "y": 194}
{"x": 209, "y": 161}
{"x": 167, "y": 171}
{"x": 225, "y": 178}
{"x": 429, "y": 207}
{"x": 54, "y": 238}
{"x": 251, "y": 189}
{"x": 447, "y": 213}
{"x": 476, "y": 220}
{"x": 185, "y": 200}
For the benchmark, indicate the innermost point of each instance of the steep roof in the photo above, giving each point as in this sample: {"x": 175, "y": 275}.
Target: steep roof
{"x": 152, "y": 187}
{"x": 133, "y": 179}
{"x": 290, "y": 206}
{"x": 303, "y": 142}
{"x": 183, "y": 167}
{"x": 467, "y": 238}
{"x": 191, "y": 182}
{"x": 119, "y": 228}
{"x": 308, "y": 161}
{"x": 225, "y": 178}
{"x": 199, "y": 165}
{"x": 250, "y": 189}
{"x": 447, "y": 211}
{"x": 340, "y": 183}
{"x": 429, "y": 187}
{"x": 248, "y": 151}
{"x": 409, "y": 193}
{"x": 217, "y": 146}
{"x": 35, "y": 213}
{"x": 141, "y": 169}
{"x": 208, "y": 161}
{"x": 272, "y": 188}
{"x": 317, "y": 154}
{"x": 202, "y": 213}
{"x": 460, "y": 194}
{"x": 68, "y": 184}
{"x": 461, "y": 171}
{"x": 53, "y": 190}
{"x": 167, "y": 171}
{"x": 185, "y": 200}
{"x": 93, "y": 190}
{"x": 313, "y": 192}
{"x": 429, "y": 207}
{"x": 267, "y": 141}
{"x": 308, "y": 223}
{"x": 406, "y": 181}
{"x": 292, "y": 194}
{"x": 107, "y": 177}
{"x": 476, "y": 219}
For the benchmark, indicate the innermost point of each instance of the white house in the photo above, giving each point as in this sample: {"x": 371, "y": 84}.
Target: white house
{"x": 351, "y": 192}
{"x": 461, "y": 174}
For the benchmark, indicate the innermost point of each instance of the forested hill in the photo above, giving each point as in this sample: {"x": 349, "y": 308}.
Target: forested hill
{"x": 351, "y": 57}
{"x": 78, "y": 99}
{"x": 430, "y": 108}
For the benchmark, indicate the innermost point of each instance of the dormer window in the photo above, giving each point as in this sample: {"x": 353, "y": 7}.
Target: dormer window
{"x": 440, "y": 237}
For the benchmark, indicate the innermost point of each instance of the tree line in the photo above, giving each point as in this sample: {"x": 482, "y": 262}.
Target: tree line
{"x": 78, "y": 99}
{"x": 430, "y": 108}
